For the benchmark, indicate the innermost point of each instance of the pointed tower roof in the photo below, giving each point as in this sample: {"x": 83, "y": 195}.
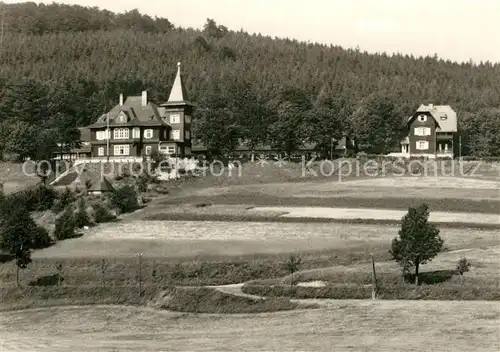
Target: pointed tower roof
{"x": 178, "y": 95}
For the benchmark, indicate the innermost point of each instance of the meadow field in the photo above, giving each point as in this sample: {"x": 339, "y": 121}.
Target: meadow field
{"x": 233, "y": 236}
{"x": 343, "y": 326}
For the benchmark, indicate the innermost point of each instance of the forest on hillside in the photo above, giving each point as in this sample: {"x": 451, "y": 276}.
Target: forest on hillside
{"x": 63, "y": 66}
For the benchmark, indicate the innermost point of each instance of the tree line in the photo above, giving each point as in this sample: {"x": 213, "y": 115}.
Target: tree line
{"x": 250, "y": 88}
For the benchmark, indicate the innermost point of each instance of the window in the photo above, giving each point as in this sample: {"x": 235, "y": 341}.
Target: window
{"x": 148, "y": 150}
{"x": 187, "y": 119}
{"x": 422, "y": 118}
{"x": 422, "y": 145}
{"x": 100, "y": 151}
{"x": 121, "y": 149}
{"x": 175, "y": 118}
{"x": 100, "y": 135}
{"x": 176, "y": 134}
{"x": 187, "y": 134}
{"x": 136, "y": 133}
{"x": 121, "y": 133}
{"x": 148, "y": 134}
{"x": 443, "y": 117}
{"x": 167, "y": 149}
{"x": 422, "y": 131}
{"x": 122, "y": 118}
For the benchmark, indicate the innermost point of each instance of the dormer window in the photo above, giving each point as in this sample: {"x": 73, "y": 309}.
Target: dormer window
{"x": 422, "y": 118}
{"x": 122, "y": 118}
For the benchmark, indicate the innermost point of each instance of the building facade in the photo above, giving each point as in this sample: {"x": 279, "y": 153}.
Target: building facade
{"x": 137, "y": 127}
{"x": 432, "y": 132}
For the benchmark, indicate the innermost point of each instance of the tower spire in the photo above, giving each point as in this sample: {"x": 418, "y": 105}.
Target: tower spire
{"x": 178, "y": 92}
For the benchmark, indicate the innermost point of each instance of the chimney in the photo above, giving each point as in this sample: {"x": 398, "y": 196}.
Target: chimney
{"x": 144, "y": 98}
{"x": 121, "y": 99}
{"x": 431, "y": 106}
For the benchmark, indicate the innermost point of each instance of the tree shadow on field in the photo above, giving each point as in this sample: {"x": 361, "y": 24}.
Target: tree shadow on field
{"x": 48, "y": 280}
{"x": 5, "y": 257}
{"x": 75, "y": 235}
{"x": 431, "y": 277}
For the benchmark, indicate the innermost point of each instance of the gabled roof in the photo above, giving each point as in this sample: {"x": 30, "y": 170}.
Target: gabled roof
{"x": 138, "y": 115}
{"x": 97, "y": 182}
{"x": 122, "y": 111}
{"x": 101, "y": 185}
{"x": 444, "y": 115}
{"x": 178, "y": 95}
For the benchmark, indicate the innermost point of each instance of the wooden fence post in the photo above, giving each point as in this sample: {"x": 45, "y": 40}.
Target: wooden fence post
{"x": 374, "y": 278}
{"x": 140, "y": 275}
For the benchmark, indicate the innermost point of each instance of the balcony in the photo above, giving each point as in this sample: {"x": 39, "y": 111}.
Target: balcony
{"x": 444, "y": 154}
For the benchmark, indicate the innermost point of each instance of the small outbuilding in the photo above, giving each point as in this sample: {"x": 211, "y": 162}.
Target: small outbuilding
{"x": 100, "y": 186}
{"x": 93, "y": 182}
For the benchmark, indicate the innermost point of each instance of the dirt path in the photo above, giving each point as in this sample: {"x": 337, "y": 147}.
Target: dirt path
{"x": 235, "y": 290}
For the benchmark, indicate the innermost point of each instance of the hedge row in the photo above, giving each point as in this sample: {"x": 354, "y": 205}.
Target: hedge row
{"x": 491, "y": 159}
{"x": 401, "y": 291}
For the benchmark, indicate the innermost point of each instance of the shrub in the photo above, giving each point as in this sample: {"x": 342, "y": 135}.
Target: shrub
{"x": 81, "y": 217}
{"x": 40, "y": 238}
{"x": 125, "y": 199}
{"x": 143, "y": 180}
{"x": 42, "y": 198}
{"x": 299, "y": 292}
{"x": 102, "y": 214}
{"x": 65, "y": 225}
{"x": 64, "y": 199}
{"x": 463, "y": 266}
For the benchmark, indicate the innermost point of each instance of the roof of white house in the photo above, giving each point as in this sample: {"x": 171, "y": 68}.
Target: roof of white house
{"x": 444, "y": 115}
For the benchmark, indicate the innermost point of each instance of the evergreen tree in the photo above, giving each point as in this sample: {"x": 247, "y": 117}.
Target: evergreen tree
{"x": 418, "y": 241}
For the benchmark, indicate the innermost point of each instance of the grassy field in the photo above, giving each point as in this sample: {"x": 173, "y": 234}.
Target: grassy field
{"x": 14, "y": 178}
{"x": 198, "y": 253}
{"x": 214, "y": 253}
{"x": 345, "y": 326}
{"x": 454, "y": 194}
{"x": 181, "y": 239}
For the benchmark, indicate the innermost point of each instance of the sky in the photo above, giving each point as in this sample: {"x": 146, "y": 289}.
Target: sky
{"x": 458, "y": 30}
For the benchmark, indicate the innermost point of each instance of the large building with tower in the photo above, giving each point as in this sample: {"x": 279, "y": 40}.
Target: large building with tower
{"x": 136, "y": 127}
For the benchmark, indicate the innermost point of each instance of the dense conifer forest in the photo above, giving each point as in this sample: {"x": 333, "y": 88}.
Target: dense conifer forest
{"x": 63, "y": 66}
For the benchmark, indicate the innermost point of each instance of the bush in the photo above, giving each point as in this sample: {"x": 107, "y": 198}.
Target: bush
{"x": 65, "y": 225}
{"x": 143, "y": 180}
{"x": 299, "y": 292}
{"x": 40, "y": 198}
{"x": 125, "y": 199}
{"x": 82, "y": 219}
{"x": 102, "y": 214}
{"x": 64, "y": 199}
{"x": 40, "y": 238}
{"x": 386, "y": 290}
